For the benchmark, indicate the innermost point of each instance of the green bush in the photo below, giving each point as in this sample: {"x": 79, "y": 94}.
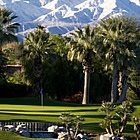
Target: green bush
{"x": 116, "y": 117}
{"x": 16, "y": 78}
{"x": 136, "y": 122}
{"x": 71, "y": 120}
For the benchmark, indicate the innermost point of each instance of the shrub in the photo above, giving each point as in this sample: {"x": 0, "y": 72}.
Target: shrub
{"x": 71, "y": 121}
{"x": 116, "y": 117}
{"x": 136, "y": 122}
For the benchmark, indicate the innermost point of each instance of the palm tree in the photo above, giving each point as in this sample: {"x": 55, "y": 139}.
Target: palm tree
{"x": 36, "y": 46}
{"x": 118, "y": 37}
{"x": 109, "y": 32}
{"x": 82, "y": 48}
{"x": 130, "y": 51}
{"x": 8, "y": 28}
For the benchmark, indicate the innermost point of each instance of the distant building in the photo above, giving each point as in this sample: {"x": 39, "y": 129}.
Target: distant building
{"x": 10, "y": 69}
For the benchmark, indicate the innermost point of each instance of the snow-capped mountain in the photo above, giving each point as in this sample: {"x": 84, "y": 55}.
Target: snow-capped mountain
{"x": 62, "y": 16}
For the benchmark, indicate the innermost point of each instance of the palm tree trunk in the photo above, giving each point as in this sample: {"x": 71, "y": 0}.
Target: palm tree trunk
{"x": 124, "y": 87}
{"x": 37, "y": 76}
{"x": 86, "y": 87}
{"x": 36, "y": 87}
{"x": 114, "y": 89}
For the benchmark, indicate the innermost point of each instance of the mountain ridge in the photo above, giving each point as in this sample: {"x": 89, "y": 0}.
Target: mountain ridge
{"x": 62, "y": 16}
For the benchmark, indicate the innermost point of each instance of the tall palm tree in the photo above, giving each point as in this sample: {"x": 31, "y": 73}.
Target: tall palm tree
{"x": 108, "y": 31}
{"x": 130, "y": 51}
{"x": 118, "y": 37}
{"x": 8, "y": 27}
{"x": 82, "y": 48}
{"x": 36, "y": 47}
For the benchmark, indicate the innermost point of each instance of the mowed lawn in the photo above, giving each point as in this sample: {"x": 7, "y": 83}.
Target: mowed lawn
{"x": 20, "y": 109}
{"x": 29, "y": 109}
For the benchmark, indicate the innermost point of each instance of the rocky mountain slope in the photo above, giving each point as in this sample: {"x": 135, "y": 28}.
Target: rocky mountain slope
{"x": 62, "y": 16}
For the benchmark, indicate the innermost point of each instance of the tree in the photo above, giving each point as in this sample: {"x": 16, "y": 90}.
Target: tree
{"x": 2, "y": 62}
{"x": 130, "y": 51}
{"x": 82, "y": 48}
{"x": 12, "y": 52}
{"x": 60, "y": 82}
{"x": 134, "y": 85}
{"x": 8, "y": 29}
{"x": 36, "y": 47}
{"x": 119, "y": 37}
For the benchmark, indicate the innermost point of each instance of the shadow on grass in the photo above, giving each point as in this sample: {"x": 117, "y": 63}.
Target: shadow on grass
{"x": 93, "y": 116}
{"x": 29, "y": 115}
{"x": 136, "y": 103}
{"x": 23, "y": 120}
{"x": 36, "y": 101}
{"x": 48, "y": 115}
{"x": 93, "y": 127}
{"x": 53, "y": 111}
{"x": 129, "y": 128}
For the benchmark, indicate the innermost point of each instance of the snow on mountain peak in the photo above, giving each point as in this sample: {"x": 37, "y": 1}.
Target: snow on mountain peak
{"x": 137, "y": 2}
{"x": 61, "y": 16}
{"x": 89, "y": 3}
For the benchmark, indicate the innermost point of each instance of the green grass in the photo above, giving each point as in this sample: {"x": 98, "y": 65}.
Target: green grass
{"x": 4, "y": 135}
{"x": 48, "y": 113}
{"x": 28, "y": 109}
